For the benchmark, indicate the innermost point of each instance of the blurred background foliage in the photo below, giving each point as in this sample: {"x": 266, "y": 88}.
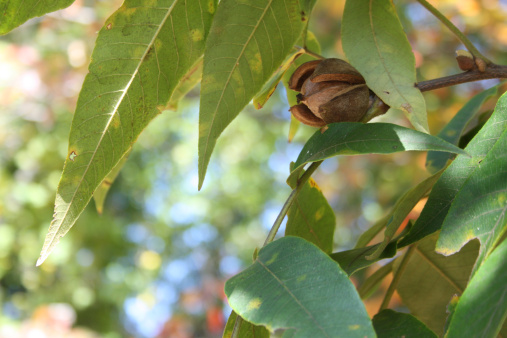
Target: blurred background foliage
{"x": 154, "y": 263}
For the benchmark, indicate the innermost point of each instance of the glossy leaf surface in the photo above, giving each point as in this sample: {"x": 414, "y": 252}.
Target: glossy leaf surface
{"x": 293, "y": 284}
{"x": 389, "y": 324}
{"x": 248, "y": 41}
{"x": 376, "y": 45}
{"x": 456, "y": 175}
{"x": 353, "y": 138}
{"x": 454, "y": 129}
{"x": 16, "y": 12}
{"x": 310, "y": 217}
{"x": 140, "y": 55}
{"x": 482, "y": 309}
{"x": 478, "y": 210}
{"x": 430, "y": 280}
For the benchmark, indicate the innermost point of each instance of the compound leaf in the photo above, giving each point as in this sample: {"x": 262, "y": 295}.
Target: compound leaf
{"x": 140, "y": 55}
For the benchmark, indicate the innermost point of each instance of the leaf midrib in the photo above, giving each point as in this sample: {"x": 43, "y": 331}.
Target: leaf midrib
{"x": 254, "y": 30}
{"x": 115, "y": 111}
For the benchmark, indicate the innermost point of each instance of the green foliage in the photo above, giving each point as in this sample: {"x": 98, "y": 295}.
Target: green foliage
{"x": 375, "y": 43}
{"x": 316, "y": 295}
{"x": 482, "y": 310}
{"x": 14, "y": 13}
{"x": 390, "y": 324}
{"x": 148, "y": 57}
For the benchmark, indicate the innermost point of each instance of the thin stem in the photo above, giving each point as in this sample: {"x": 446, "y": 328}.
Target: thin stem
{"x": 309, "y": 52}
{"x": 468, "y": 44}
{"x": 396, "y": 278}
{"x": 301, "y": 182}
{"x": 491, "y": 72}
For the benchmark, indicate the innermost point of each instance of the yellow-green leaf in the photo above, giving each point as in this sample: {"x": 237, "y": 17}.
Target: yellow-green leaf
{"x": 248, "y": 41}
{"x": 375, "y": 44}
{"x": 140, "y": 55}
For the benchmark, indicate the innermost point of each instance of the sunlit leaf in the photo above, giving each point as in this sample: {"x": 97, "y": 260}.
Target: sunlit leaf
{"x": 375, "y": 44}
{"x": 246, "y": 329}
{"x": 15, "y": 12}
{"x": 293, "y": 284}
{"x": 357, "y": 259}
{"x": 456, "y": 175}
{"x": 389, "y": 324}
{"x": 478, "y": 210}
{"x": 452, "y": 132}
{"x": 248, "y": 41}
{"x": 187, "y": 82}
{"x": 353, "y": 138}
{"x": 99, "y": 196}
{"x": 140, "y": 55}
{"x": 430, "y": 280}
{"x": 310, "y": 217}
{"x": 269, "y": 87}
{"x": 482, "y": 309}
{"x": 400, "y": 211}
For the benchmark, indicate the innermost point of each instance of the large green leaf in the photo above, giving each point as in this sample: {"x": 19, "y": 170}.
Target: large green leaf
{"x": 392, "y": 324}
{"x": 248, "y": 41}
{"x": 246, "y": 329}
{"x": 479, "y": 208}
{"x": 15, "y": 12}
{"x": 140, "y": 55}
{"x": 482, "y": 309}
{"x": 375, "y": 44}
{"x": 456, "y": 175}
{"x": 454, "y": 129}
{"x": 430, "y": 280}
{"x": 310, "y": 217}
{"x": 293, "y": 284}
{"x": 353, "y": 138}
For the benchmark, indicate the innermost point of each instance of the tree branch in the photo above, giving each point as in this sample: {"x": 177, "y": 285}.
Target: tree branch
{"x": 492, "y": 71}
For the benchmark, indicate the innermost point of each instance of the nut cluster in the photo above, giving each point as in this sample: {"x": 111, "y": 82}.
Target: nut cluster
{"x": 331, "y": 90}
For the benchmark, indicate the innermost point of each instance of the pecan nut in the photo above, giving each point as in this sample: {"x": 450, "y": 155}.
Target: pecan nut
{"x": 331, "y": 90}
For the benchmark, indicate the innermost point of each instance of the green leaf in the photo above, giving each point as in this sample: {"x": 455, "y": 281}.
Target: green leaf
{"x": 248, "y": 41}
{"x": 246, "y": 330}
{"x": 140, "y": 56}
{"x": 16, "y": 12}
{"x": 269, "y": 87}
{"x": 187, "y": 83}
{"x": 392, "y": 324}
{"x": 401, "y": 209}
{"x": 479, "y": 208}
{"x": 375, "y": 44}
{"x": 430, "y": 280}
{"x": 452, "y": 132}
{"x": 310, "y": 217}
{"x": 482, "y": 309}
{"x": 353, "y": 138}
{"x": 371, "y": 283}
{"x": 293, "y": 284}
{"x": 456, "y": 175}
{"x": 100, "y": 193}
{"x": 357, "y": 259}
